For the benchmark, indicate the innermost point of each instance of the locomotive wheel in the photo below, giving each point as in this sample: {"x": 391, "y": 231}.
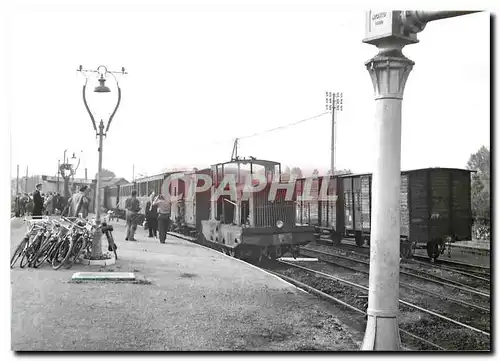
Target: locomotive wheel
{"x": 433, "y": 250}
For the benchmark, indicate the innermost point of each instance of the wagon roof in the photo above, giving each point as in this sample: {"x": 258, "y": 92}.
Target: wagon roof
{"x": 156, "y": 177}
{"x": 409, "y": 171}
{"x": 402, "y": 171}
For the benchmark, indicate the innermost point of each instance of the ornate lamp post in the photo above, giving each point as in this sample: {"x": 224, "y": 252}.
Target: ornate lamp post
{"x": 102, "y": 73}
{"x": 389, "y": 31}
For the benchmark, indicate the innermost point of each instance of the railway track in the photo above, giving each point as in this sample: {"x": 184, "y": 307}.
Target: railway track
{"x": 419, "y": 285}
{"x": 408, "y": 337}
{"x": 421, "y": 325}
{"x": 420, "y": 328}
{"x": 446, "y": 276}
{"x": 477, "y": 270}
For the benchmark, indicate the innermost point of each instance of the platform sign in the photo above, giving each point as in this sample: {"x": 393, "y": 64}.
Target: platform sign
{"x": 386, "y": 24}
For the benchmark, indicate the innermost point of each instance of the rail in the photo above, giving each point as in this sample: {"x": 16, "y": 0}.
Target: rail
{"x": 401, "y": 301}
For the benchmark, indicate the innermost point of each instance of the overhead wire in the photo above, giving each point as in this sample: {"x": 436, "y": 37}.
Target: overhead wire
{"x": 282, "y": 127}
{"x": 222, "y": 141}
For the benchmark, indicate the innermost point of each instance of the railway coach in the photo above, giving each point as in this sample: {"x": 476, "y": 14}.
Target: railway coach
{"x": 435, "y": 208}
{"x": 115, "y": 196}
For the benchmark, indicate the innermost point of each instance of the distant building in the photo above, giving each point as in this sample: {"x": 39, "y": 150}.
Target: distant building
{"x": 112, "y": 181}
{"x": 56, "y": 184}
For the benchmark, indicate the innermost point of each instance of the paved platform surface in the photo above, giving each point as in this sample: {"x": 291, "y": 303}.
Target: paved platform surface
{"x": 186, "y": 297}
{"x": 475, "y": 244}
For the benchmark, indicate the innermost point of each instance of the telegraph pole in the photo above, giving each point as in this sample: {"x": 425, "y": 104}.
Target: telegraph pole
{"x": 26, "y": 179}
{"x": 58, "y": 170}
{"x": 334, "y": 103}
{"x": 332, "y": 157}
{"x": 17, "y": 180}
{"x": 389, "y": 31}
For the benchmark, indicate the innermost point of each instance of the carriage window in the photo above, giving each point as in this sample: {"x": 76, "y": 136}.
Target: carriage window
{"x": 218, "y": 208}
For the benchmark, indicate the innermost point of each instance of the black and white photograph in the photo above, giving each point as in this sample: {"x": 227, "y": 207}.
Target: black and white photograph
{"x": 241, "y": 177}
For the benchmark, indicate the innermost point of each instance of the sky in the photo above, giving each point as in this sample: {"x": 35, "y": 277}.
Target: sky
{"x": 198, "y": 79}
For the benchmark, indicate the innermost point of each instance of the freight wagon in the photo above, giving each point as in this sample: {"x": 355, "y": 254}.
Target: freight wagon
{"x": 435, "y": 209}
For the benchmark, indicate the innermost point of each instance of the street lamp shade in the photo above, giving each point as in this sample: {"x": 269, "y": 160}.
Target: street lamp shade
{"x": 101, "y": 88}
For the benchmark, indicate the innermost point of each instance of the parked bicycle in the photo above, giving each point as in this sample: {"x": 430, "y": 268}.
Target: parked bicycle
{"x": 59, "y": 241}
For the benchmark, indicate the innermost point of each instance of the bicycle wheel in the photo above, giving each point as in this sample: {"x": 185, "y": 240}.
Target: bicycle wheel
{"x": 18, "y": 252}
{"x": 42, "y": 254}
{"x": 28, "y": 253}
{"x": 75, "y": 252}
{"x": 35, "y": 247}
{"x": 62, "y": 252}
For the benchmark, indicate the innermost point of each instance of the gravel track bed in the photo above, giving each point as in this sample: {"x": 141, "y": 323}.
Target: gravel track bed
{"x": 345, "y": 247}
{"x": 448, "y": 291}
{"x": 469, "y": 316}
{"x": 431, "y": 328}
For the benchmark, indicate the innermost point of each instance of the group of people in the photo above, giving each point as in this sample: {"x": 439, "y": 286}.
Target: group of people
{"x": 157, "y": 216}
{"x": 38, "y": 204}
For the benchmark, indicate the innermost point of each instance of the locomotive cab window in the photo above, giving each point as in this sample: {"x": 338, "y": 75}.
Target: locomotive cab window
{"x": 245, "y": 211}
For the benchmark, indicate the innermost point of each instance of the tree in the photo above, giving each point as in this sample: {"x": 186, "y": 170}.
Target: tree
{"x": 480, "y": 186}
{"x": 106, "y": 173}
{"x": 285, "y": 175}
{"x": 315, "y": 172}
{"x": 343, "y": 171}
{"x": 297, "y": 171}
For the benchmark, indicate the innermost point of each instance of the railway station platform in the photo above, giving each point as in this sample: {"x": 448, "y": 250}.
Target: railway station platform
{"x": 185, "y": 298}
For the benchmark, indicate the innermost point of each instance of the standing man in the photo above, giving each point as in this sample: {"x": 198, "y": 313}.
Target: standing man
{"x": 29, "y": 205}
{"x": 56, "y": 203}
{"x": 23, "y": 201}
{"x": 49, "y": 204}
{"x": 17, "y": 206}
{"x": 37, "y": 202}
{"x": 163, "y": 216}
{"x": 132, "y": 207}
{"x": 78, "y": 203}
{"x": 152, "y": 216}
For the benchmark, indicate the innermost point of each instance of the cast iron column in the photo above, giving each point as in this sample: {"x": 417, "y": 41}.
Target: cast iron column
{"x": 97, "y": 244}
{"x": 389, "y": 71}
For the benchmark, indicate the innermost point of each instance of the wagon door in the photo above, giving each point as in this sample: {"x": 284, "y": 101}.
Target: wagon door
{"x": 356, "y": 184}
{"x": 461, "y": 213}
{"x": 348, "y": 206}
{"x": 440, "y": 211}
{"x": 365, "y": 203}
{"x": 419, "y": 206}
{"x": 404, "y": 207}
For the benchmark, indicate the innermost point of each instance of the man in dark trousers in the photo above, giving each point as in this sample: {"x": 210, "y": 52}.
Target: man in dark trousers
{"x": 37, "y": 202}
{"x": 152, "y": 216}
